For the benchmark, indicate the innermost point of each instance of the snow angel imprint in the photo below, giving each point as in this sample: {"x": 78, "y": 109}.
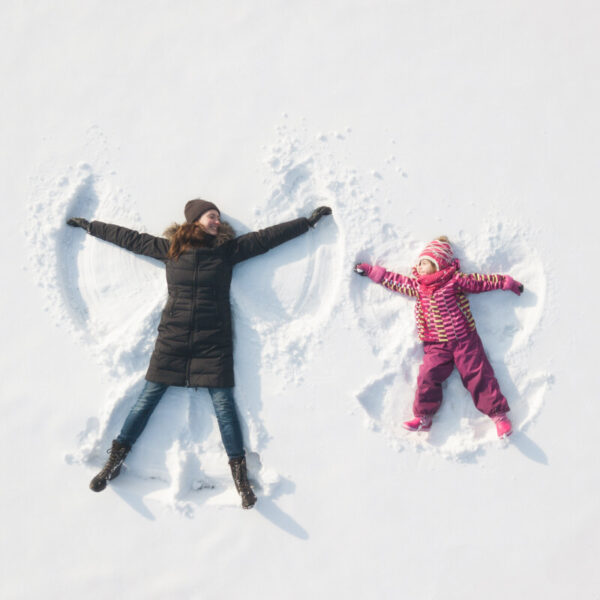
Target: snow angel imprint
{"x": 194, "y": 347}
{"x": 447, "y": 329}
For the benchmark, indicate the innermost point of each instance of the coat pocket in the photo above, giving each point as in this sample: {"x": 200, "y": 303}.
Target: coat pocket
{"x": 171, "y": 302}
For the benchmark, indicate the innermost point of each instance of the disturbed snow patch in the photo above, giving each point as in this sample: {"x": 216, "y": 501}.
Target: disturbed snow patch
{"x": 506, "y": 324}
{"x": 111, "y": 300}
{"x": 296, "y": 287}
{"x": 305, "y": 171}
{"x": 283, "y": 303}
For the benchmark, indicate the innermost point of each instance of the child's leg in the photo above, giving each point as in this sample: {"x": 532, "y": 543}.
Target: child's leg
{"x": 437, "y": 366}
{"x": 478, "y": 376}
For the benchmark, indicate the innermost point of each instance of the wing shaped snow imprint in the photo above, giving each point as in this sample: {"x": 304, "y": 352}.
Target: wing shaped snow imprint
{"x": 304, "y": 172}
{"x": 287, "y": 297}
{"x": 111, "y": 300}
{"x": 506, "y": 324}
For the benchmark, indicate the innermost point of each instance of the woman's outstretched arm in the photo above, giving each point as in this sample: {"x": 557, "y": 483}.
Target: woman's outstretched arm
{"x": 259, "y": 242}
{"x": 139, "y": 243}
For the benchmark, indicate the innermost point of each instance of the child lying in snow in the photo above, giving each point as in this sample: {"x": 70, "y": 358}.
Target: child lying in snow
{"x": 447, "y": 330}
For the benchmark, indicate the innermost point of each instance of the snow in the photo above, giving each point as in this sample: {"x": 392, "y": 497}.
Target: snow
{"x": 411, "y": 120}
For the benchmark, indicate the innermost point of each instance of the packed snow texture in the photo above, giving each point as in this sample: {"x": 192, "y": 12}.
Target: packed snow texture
{"x": 283, "y": 302}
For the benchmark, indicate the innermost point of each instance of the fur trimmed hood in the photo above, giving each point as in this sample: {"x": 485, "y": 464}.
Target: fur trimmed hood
{"x": 225, "y": 234}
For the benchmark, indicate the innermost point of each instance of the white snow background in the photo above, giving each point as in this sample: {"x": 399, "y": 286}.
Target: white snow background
{"x": 477, "y": 120}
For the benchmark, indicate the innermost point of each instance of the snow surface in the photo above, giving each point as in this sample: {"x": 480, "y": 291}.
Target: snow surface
{"x": 410, "y": 120}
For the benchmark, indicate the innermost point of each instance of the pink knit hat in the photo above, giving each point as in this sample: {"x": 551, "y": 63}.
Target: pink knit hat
{"x": 439, "y": 253}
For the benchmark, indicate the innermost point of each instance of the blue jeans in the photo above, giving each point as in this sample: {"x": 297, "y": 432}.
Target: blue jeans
{"x": 223, "y": 402}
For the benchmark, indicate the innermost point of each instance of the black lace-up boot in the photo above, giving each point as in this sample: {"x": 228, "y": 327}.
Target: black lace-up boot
{"x": 240, "y": 478}
{"x": 112, "y": 468}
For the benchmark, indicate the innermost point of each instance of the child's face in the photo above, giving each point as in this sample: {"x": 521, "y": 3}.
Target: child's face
{"x": 425, "y": 267}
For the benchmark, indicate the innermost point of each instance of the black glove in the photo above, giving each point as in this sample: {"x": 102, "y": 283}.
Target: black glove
{"x": 79, "y": 222}
{"x": 317, "y": 214}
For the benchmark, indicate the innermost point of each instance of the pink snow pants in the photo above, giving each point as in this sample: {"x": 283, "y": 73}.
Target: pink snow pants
{"x": 475, "y": 371}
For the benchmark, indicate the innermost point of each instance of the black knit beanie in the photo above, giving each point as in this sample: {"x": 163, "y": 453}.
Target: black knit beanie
{"x": 194, "y": 209}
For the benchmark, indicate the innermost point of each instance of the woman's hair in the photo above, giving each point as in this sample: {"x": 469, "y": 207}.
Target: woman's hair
{"x": 183, "y": 237}
{"x": 443, "y": 238}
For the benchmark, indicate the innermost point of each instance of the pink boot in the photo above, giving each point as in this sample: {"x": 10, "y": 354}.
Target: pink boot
{"x": 503, "y": 425}
{"x": 418, "y": 424}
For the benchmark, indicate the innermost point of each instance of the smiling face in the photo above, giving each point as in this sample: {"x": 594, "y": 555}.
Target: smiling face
{"x": 210, "y": 221}
{"x": 425, "y": 267}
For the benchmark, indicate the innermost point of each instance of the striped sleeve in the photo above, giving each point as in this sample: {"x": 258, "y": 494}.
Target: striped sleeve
{"x": 476, "y": 283}
{"x": 400, "y": 283}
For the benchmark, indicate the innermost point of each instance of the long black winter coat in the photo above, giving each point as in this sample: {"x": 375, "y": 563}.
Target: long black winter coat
{"x": 194, "y": 345}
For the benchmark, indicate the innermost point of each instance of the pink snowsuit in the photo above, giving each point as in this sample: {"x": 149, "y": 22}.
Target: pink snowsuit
{"x": 447, "y": 329}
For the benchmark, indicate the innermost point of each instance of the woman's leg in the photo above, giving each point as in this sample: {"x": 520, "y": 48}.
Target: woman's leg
{"x": 140, "y": 413}
{"x": 478, "y": 377}
{"x": 227, "y": 418}
{"x": 231, "y": 434}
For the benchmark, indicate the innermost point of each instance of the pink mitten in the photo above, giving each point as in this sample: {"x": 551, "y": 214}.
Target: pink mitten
{"x": 513, "y": 285}
{"x": 363, "y": 269}
{"x": 374, "y": 273}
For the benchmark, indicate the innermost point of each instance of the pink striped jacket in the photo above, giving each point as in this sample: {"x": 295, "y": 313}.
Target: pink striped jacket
{"x": 442, "y": 311}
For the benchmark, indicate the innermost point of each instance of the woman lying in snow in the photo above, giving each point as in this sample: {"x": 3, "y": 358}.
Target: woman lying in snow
{"x": 194, "y": 347}
{"x": 447, "y": 330}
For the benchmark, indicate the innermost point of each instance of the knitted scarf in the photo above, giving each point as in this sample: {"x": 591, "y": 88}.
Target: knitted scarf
{"x": 428, "y": 284}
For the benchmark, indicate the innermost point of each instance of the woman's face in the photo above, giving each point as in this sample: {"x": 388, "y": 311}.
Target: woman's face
{"x": 210, "y": 221}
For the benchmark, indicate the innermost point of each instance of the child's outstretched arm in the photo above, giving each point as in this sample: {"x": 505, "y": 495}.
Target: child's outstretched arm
{"x": 475, "y": 283}
{"x": 393, "y": 281}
